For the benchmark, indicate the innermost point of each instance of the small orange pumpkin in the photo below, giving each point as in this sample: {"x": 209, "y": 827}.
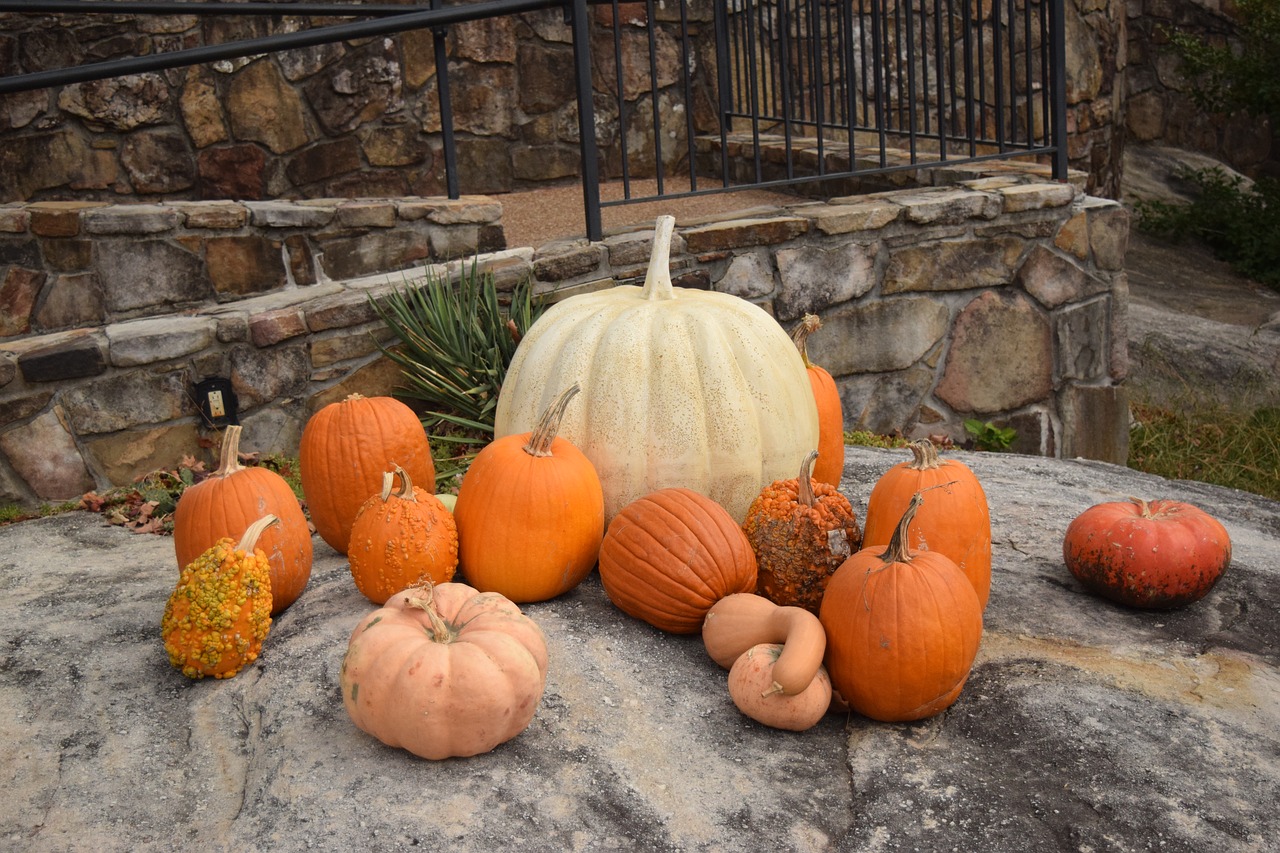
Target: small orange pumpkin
{"x": 346, "y": 447}
{"x": 903, "y": 629}
{"x": 830, "y": 466}
{"x": 801, "y": 531}
{"x": 401, "y": 538}
{"x": 530, "y": 513}
{"x": 667, "y": 557}
{"x": 229, "y": 500}
{"x": 955, "y": 520}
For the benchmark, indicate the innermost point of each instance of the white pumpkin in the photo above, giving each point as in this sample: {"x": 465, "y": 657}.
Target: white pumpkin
{"x": 680, "y": 387}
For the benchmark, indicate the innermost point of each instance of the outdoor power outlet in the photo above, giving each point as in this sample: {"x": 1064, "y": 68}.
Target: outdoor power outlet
{"x": 218, "y": 403}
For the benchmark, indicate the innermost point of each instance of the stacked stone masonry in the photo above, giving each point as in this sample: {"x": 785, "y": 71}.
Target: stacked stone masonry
{"x": 1001, "y": 297}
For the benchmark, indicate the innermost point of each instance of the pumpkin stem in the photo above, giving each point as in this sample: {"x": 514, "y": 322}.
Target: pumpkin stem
{"x": 229, "y": 455}
{"x": 250, "y": 538}
{"x": 549, "y": 424}
{"x": 657, "y": 281}
{"x": 804, "y": 483}
{"x": 1143, "y": 506}
{"x": 926, "y": 455}
{"x": 439, "y": 631}
{"x": 800, "y": 335}
{"x": 773, "y": 691}
{"x": 898, "y": 550}
{"x": 406, "y": 485}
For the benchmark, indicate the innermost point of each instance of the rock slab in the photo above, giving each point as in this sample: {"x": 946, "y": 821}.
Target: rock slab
{"x": 1084, "y": 726}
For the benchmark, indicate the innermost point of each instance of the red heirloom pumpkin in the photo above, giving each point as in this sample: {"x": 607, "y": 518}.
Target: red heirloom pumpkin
{"x": 667, "y": 557}
{"x": 346, "y": 448}
{"x": 830, "y": 465}
{"x": 903, "y": 629}
{"x": 1151, "y": 554}
{"x": 954, "y": 520}
{"x": 228, "y": 501}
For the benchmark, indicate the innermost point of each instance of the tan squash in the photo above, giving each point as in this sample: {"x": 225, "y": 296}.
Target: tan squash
{"x": 753, "y": 689}
{"x": 738, "y": 622}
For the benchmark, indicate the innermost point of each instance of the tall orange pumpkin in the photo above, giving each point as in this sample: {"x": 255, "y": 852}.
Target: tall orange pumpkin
{"x": 346, "y": 448}
{"x": 955, "y": 519}
{"x": 530, "y": 513}
{"x": 233, "y": 497}
{"x": 401, "y": 538}
{"x": 903, "y": 629}
{"x": 830, "y": 465}
{"x": 667, "y": 557}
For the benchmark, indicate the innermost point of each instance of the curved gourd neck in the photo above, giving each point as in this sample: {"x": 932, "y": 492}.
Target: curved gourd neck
{"x": 657, "y": 281}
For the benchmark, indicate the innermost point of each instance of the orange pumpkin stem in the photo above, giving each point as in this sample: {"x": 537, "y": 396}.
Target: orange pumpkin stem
{"x": 229, "y": 455}
{"x": 804, "y": 482}
{"x": 926, "y": 455}
{"x": 549, "y": 424}
{"x": 800, "y": 335}
{"x": 250, "y": 538}
{"x": 406, "y": 485}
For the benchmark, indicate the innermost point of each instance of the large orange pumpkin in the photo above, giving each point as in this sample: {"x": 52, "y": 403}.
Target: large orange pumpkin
{"x": 346, "y": 448}
{"x": 401, "y": 538}
{"x": 903, "y": 629}
{"x": 667, "y": 557}
{"x": 228, "y": 501}
{"x": 530, "y": 513}
{"x": 1151, "y": 554}
{"x": 830, "y": 465}
{"x": 955, "y": 519}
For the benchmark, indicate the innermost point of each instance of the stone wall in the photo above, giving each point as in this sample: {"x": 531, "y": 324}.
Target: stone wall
{"x": 1159, "y": 106}
{"x": 1000, "y": 297}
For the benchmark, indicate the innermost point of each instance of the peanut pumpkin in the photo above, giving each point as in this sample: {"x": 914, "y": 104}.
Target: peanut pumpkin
{"x": 753, "y": 686}
{"x": 737, "y": 622}
{"x": 219, "y": 614}
{"x": 801, "y": 531}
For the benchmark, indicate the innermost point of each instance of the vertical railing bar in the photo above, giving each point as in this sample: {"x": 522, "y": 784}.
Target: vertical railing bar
{"x": 997, "y": 59}
{"x": 924, "y": 67}
{"x": 942, "y": 78}
{"x": 1046, "y": 81}
{"x": 1057, "y": 42}
{"x": 911, "y": 82}
{"x": 819, "y": 83}
{"x": 620, "y": 98}
{"x": 981, "y": 63}
{"x": 656, "y": 110}
{"x": 851, "y": 81}
{"x": 862, "y": 39}
{"x": 784, "y": 60}
{"x": 754, "y": 97}
{"x": 586, "y": 120}
{"x": 690, "y": 131}
{"x": 877, "y": 24}
{"x": 438, "y": 36}
{"x": 1013, "y": 75}
{"x": 951, "y": 52}
{"x": 724, "y": 74}
{"x": 1027, "y": 75}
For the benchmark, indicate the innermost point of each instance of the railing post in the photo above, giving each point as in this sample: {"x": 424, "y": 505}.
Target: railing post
{"x": 446, "y": 108}
{"x": 586, "y": 121}
{"x": 1058, "y": 62}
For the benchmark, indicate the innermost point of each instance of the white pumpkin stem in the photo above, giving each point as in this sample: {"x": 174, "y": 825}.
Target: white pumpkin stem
{"x": 250, "y": 538}
{"x": 549, "y": 424}
{"x": 657, "y": 281}
{"x": 804, "y": 483}
{"x": 229, "y": 455}
{"x": 800, "y": 336}
{"x": 406, "y": 485}
{"x": 926, "y": 455}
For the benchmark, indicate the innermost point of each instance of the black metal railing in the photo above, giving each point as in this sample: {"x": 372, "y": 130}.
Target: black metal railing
{"x": 719, "y": 95}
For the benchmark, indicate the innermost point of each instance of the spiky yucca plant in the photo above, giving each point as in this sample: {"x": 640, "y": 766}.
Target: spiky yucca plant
{"x": 454, "y": 341}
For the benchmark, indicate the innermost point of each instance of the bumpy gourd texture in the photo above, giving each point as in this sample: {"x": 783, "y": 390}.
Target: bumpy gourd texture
{"x": 219, "y": 614}
{"x": 798, "y": 547}
{"x": 680, "y": 387}
{"x": 397, "y": 542}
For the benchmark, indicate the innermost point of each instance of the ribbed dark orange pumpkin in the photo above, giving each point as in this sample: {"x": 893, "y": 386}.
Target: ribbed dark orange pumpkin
{"x": 954, "y": 519}
{"x": 903, "y": 628}
{"x": 346, "y": 448}
{"x": 667, "y": 557}
{"x": 830, "y": 465}
{"x": 233, "y": 497}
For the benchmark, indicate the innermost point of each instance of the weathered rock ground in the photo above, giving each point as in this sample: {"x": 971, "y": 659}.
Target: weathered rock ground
{"x": 1084, "y": 726}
